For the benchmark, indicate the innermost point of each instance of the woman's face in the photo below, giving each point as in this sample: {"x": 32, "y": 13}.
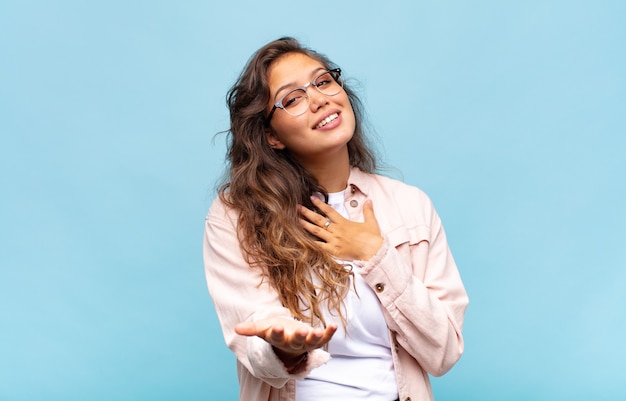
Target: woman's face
{"x": 324, "y": 128}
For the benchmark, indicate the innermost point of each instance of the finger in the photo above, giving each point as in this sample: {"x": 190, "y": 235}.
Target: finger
{"x": 317, "y": 231}
{"x": 328, "y": 334}
{"x": 289, "y": 342}
{"x": 247, "y": 329}
{"x": 298, "y": 339}
{"x": 313, "y": 217}
{"x": 314, "y": 337}
{"x": 323, "y": 234}
{"x": 332, "y": 214}
{"x": 369, "y": 217}
{"x": 368, "y": 212}
{"x": 277, "y": 335}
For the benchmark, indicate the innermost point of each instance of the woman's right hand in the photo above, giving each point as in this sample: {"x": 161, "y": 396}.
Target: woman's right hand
{"x": 289, "y": 338}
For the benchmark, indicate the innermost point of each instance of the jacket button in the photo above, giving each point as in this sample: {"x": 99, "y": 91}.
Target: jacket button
{"x": 352, "y": 189}
{"x": 407, "y": 399}
{"x": 354, "y": 203}
{"x": 380, "y": 287}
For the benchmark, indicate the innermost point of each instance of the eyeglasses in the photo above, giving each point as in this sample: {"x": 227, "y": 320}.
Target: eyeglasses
{"x": 296, "y": 101}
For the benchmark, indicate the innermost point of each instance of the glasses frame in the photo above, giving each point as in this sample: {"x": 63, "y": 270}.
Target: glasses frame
{"x": 335, "y": 73}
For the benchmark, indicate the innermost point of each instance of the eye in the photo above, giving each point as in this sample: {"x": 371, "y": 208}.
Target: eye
{"x": 324, "y": 79}
{"x": 293, "y": 98}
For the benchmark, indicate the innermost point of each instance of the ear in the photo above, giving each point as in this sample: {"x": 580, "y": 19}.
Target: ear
{"x": 273, "y": 140}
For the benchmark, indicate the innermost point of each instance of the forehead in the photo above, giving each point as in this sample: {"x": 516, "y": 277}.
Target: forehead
{"x": 295, "y": 68}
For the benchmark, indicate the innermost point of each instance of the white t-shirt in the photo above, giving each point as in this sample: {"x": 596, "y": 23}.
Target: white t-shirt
{"x": 361, "y": 366}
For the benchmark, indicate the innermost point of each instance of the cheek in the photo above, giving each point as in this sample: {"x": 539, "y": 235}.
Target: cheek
{"x": 288, "y": 127}
{"x": 351, "y": 116}
{"x": 349, "y": 107}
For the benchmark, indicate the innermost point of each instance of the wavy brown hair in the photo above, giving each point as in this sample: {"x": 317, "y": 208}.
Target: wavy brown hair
{"x": 266, "y": 185}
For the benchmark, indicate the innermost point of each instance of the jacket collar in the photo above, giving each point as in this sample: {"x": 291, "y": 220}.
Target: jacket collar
{"x": 359, "y": 180}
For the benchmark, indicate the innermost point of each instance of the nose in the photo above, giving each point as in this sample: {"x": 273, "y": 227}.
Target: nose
{"x": 317, "y": 99}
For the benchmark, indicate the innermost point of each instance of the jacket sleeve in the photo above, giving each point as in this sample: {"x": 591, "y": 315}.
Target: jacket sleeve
{"x": 419, "y": 286}
{"x": 240, "y": 294}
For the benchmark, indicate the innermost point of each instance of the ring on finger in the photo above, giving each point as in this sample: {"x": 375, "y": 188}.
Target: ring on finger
{"x": 327, "y": 224}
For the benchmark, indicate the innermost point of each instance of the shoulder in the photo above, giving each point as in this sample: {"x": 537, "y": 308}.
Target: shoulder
{"x": 387, "y": 188}
{"x": 221, "y": 211}
{"x": 396, "y": 203}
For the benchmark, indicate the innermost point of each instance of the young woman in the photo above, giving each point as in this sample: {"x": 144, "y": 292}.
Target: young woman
{"x": 330, "y": 282}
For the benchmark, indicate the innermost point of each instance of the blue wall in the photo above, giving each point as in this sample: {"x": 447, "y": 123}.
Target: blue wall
{"x": 510, "y": 115}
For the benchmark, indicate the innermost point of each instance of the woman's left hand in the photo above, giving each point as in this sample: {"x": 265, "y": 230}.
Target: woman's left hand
{"x": 342, "y": 238}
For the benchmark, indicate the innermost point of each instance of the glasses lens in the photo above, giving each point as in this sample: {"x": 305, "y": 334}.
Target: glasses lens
{"x": 296, "y": 102}
{"x": 328, "y": 83}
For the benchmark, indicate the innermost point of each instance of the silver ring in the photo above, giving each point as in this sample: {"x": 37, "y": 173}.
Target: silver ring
{"x": 327, "y": 224}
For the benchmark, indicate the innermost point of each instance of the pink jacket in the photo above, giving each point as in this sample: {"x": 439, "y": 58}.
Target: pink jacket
{"x": 414, "y": 275}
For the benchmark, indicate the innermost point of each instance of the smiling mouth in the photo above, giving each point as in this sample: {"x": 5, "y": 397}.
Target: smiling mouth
{"x": 328, "y": 119}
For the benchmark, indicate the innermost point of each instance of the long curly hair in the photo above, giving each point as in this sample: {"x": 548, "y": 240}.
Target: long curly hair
{"x": 266, "y": 185}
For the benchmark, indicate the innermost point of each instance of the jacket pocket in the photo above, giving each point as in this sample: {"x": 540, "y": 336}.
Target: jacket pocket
{"x": 405, "y": 240}
{"x": 408, "y": 235}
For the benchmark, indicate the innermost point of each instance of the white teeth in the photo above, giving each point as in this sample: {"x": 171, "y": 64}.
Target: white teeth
{"x": 328, "y": 119}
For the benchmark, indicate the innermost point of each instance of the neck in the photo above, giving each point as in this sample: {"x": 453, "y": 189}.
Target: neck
{"x": 331, "y": 173}
{"x": 333, "y": 179}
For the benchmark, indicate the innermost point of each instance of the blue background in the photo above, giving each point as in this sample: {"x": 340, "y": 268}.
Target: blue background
{"x": 510, "y": 115}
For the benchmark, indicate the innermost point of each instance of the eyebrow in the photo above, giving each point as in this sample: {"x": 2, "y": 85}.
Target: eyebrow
{"x": 293, "y": 84}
